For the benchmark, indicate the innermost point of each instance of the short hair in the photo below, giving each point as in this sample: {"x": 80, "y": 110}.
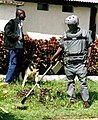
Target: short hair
{"x": 18, "y": 11}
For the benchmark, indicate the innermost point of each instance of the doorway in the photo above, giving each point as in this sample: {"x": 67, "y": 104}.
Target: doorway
{"x": 92, "y": 26}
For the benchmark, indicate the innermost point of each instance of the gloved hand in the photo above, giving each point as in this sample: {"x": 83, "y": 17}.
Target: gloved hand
{"x": 51, "y": 62}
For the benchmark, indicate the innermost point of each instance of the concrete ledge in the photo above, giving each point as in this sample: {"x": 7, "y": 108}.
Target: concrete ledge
{"x": 53, "y": 77}
{"x": 94, "y": 78}
{"x": 2, "y": 76}
{"x": 62, "y": 77}
{"x": 57, "y": 77}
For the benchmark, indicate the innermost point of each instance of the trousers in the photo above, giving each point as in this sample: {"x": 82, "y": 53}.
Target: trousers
{"x": 80, "y": 71}
{"x": 15, "y": 65}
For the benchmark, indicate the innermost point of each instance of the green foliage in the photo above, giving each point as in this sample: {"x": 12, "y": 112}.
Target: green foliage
{"x": 3, "y": 92}
{"x": 49, "y": 102}
{"x": 3, "y": 95}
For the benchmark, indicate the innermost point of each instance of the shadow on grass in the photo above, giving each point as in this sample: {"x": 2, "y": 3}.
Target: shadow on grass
{"x": 93, "y": 96}
{"x": 8, "y": 116}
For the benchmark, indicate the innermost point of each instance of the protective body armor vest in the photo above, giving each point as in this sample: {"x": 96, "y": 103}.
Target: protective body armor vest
{"x": 75, "y": 46}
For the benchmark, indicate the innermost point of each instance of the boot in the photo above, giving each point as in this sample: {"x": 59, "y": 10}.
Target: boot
{"x": 86, "y": 104}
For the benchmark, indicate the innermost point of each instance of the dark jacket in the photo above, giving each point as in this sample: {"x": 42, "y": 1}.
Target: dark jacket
{"x": 10, "y": 34}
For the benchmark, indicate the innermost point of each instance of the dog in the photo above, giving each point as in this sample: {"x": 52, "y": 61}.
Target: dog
{"x": 30, "y": 72}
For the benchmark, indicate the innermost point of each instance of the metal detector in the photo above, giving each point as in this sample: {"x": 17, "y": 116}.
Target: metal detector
{"x": 55, "y": 68}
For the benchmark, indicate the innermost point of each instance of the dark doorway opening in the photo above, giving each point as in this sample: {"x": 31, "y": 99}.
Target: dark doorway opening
{"x": 93, "y": 21}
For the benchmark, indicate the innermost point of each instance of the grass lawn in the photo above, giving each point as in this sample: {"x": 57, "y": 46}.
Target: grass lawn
{"x": 49, "y": 103}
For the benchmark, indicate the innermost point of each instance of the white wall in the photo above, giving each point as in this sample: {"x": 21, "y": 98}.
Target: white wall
{"x": 52, "y": 21}
{"x": 6, "y": 13}
{"x": 49, "y": 22}
{"x": 84, "y": 16}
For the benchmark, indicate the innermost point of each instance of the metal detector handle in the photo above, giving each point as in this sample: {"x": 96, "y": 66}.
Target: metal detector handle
{"x": 24, "y": 99}
{"x": 31, "y": 90}
{"x": 46, "y": 72}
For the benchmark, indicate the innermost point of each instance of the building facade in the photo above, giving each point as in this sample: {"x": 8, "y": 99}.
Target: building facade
{"x": 46, "y": 16}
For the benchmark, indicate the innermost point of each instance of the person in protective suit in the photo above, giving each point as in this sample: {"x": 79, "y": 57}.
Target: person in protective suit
{"x": 76, "y": 45}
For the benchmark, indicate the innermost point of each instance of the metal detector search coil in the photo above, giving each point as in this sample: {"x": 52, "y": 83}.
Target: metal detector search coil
{"x": 57, "y": 67}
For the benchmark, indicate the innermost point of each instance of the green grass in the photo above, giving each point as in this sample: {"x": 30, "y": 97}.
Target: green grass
{"x": 51, "y": 106}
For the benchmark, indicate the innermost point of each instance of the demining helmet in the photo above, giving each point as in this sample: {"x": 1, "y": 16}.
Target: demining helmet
{"x": 72, "y": 20}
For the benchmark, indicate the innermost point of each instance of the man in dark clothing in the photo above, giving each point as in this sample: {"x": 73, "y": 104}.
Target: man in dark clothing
{"x": 13, "y": 40}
